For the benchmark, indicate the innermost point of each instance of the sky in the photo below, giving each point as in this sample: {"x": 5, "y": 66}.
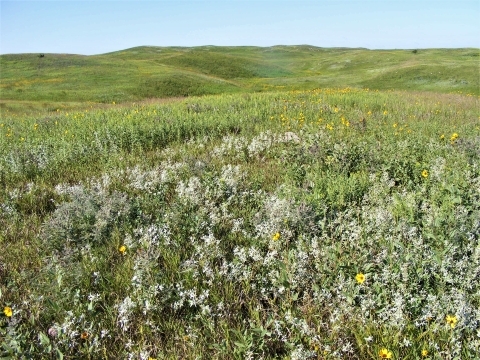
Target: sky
{"x": 97, "y": 27}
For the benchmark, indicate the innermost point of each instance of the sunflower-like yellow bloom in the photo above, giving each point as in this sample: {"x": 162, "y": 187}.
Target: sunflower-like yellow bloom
{"x": 360, "y": 278}
{"x": 7, "y": 311}
{"x": 452, "y": 320}
{"x": 385, "y": 354}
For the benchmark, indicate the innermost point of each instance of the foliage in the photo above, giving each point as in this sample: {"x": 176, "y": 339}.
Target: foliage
{"x": 323, "y": 224}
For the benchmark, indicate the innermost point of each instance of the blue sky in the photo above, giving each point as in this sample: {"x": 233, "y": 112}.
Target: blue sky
{"x": 95, "y": 27}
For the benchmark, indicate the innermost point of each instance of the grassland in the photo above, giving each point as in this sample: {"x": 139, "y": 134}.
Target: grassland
{"x": 333, "y": 223}
{"x": 29, "y": 81}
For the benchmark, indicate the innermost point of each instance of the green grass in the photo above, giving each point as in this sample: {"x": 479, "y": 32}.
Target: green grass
{"x": 155, "y": 72}
{"x": 246, "y": 217}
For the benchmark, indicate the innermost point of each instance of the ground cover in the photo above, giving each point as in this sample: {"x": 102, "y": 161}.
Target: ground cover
{"x": 322, "y": 224}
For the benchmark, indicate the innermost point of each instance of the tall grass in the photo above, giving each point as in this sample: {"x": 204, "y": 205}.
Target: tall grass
{"x": 326, "y": 224}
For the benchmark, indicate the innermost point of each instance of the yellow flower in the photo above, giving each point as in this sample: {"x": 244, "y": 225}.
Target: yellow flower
{"x": 454, "y": 137}
{"x": 442, "y": 136}
{"x": 424, "y": 352}
{"x": 385, "y": 112}
{"x": 150, "y": 358}
{"x": 425, "y": 173}
{"x": 360, "y": 278}
{"x": 452, "y": 320}
{"x": 84, "y": 335}
{"x": 122, "y": 249}
{"x": 7, "y": 311}
{"x": 276, "y": 236}
{"x": 385, "y": 354}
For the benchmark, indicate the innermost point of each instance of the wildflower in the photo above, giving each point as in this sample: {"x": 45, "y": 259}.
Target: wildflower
{"x": 360, "y": 278}
{"x": 84, "y": 335}
{"x": 276, "y": 236}
{"x": 453, "y": 137}
{"x": 385, "y": 354}
{"x": 385, "y": 112}
{"x": 452, "y": 320}
{"x": 122, "y": 249}
{"x": 7, "y": 311}
{"x": 425, "y": 173}
{"x": 150, "y": 358}
{"x": 424, "y": 352}
{"x": 442, "y": 136}
{"x": 52, "y": 332}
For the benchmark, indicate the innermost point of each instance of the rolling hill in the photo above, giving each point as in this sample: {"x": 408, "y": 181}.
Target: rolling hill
{"x": 158, "y": 72}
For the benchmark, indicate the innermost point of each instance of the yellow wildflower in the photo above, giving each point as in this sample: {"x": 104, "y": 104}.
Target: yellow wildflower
{"x": 7, "y": 311}
{"x": 425, "y": 173}
{"x": 385, "y": 354}
{"x": 424, "y": 352}
{"x": 454, "y": 137}
{"x": 84, "y": 335}
{"x": 452, "y": 320}
{"x": 360, "y": 278}
{"x": 122, "y": 249}
{"x": 276, "y": 236}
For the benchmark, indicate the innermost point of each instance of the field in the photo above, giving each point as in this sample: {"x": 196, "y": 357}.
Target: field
{"x": 65, "y": 81}
{"x": 305, "y": 222}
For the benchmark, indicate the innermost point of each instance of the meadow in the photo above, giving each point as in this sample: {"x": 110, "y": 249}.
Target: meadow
{"x": 29, "y": 82}
{"x": 328, "y": 223}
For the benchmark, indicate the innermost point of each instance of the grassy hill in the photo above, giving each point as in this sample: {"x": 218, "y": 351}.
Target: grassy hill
{"x": 158, "y": 72}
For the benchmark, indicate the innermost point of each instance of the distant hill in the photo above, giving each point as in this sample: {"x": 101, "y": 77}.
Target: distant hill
{"x": 158, "y": 72}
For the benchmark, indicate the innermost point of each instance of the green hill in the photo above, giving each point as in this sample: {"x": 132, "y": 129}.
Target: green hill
{"x": 157, "y": 72}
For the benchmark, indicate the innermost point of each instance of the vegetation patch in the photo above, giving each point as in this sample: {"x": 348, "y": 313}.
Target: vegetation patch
{"x": 322, "y": 224}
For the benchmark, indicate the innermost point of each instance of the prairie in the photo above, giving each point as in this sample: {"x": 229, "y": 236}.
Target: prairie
{"x": 159, "y": 72}
{"x": 294, "y": 223}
